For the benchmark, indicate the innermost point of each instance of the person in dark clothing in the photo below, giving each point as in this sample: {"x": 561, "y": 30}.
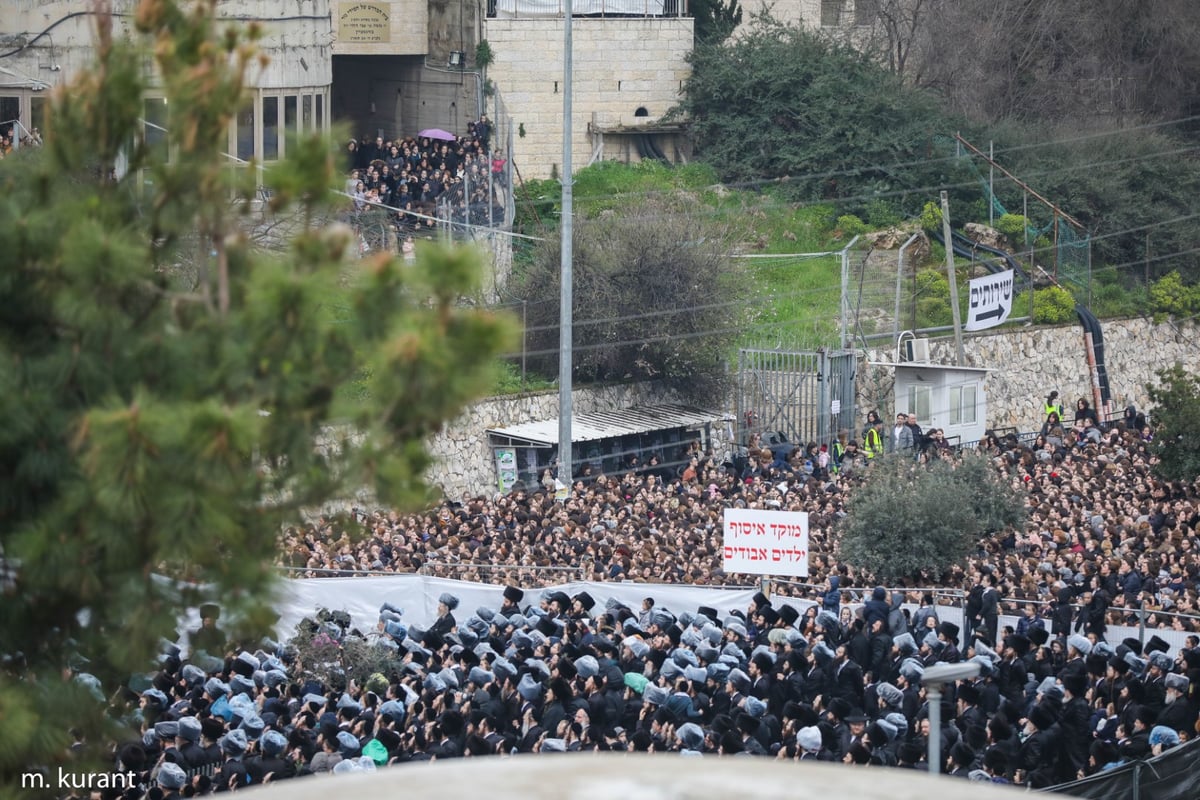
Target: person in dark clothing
{"x": 877, "y": 608}
{"x": 1084, "y": 410}
{"x": 208, "y": 637}
{"x": 1076, "y": 731}
{"x": 989, "y": 613}
{"x": 1061, "y": 613}
{"x": 445, "y": 623}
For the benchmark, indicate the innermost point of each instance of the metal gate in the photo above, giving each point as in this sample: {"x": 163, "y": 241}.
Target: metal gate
{"x": 806, "y": 396}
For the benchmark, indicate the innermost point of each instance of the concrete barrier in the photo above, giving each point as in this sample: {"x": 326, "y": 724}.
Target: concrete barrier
{"x": 604, "y": 776}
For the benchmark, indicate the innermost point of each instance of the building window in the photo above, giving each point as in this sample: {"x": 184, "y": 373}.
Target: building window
{"x": 831, "y": 12}
{"x": 865, "y": 12}
{"x": 320, "y": 124}
{"x": 245, "y": 132}
{"x": 37, "y": 113}
{"x": 270, "y": 113}
{"x": 10, "y": 113}
{"x": 918, "y": 403}
{"x": 962, "y": 405}
{"x": 306, "y": 112}
{"x": 289, "y": 113}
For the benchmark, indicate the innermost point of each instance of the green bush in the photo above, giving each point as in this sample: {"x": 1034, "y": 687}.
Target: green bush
{"x": 1114, "y": 297}
{"x": 1013, "y": 226}
{"x": 882, "y": 214}
{"x": 931, "y": 217}
{"x": 912, "y": 521}
{"x": 1170, "y": 295}
{"x": 933, "y": 299}
{"x": 1053, "y": 306}
{"x": 850, "y": 225}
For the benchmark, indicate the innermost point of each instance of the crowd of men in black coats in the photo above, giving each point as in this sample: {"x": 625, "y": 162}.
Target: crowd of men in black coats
{"x": 564, "y": 674}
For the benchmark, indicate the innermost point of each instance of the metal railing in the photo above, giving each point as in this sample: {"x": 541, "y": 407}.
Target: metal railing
{"x": 956, "y": 598}
{"x": 515, "y": 9}
{"x": 514, "y": 574}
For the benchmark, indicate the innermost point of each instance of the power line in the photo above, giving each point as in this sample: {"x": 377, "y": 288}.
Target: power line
{"x": 755, "y": 183}
{"x": 884, "y": 282}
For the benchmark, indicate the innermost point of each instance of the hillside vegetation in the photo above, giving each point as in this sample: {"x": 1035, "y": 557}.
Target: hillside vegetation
{"x": 803, "y": 143}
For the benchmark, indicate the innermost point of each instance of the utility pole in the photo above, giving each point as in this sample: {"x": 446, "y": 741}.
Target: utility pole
{"x": 948, "y": 235}
{"x": 991, "y": 184}
{"x": 565, "y": 344}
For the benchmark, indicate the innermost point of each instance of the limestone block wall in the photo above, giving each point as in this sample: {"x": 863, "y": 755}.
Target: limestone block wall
{"x": 620, "y": 65}
{"x": 1028, "y": 363}
{"x": 789, "y": 11}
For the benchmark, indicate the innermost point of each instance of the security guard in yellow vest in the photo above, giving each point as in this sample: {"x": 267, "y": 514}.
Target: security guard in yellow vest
{"x": 1052, "y": 406}
{"x": 873, "y": 440}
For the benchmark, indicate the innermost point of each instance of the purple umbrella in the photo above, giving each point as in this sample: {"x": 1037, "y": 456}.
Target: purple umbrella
{"x": 437, "y": 133}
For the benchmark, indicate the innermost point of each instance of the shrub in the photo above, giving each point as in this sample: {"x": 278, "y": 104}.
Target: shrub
{"x": 1053, "y": 306}
{"x": 1012, "y": 226}
{"x": 1170, "y": 295}
{"x": 850, "y": 225}
{"x": 909, "y": 518}
{"x": 931, "y": 217}
{"x": 882, "y": 214}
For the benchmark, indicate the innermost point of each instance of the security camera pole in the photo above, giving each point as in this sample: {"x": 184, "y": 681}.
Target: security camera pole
{"x": 934, "y": 679}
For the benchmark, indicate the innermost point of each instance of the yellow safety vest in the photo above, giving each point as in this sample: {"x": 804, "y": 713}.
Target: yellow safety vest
{"x": 873, "y": 443}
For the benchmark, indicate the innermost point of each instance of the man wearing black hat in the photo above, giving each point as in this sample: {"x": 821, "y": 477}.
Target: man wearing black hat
{"x": 512, "y": 600}
{"x": 445, "y": 735}
{"x": 1039, "y": 751}
{"x": 1137, "y": 744}
{"x": 581, "y": 606}
{"x": 970, "y": 715}
{"x": 208, "y": 637}
{"x": 948, "y": 635}
{"x": 1074, "y": 724}
{"x": 1013, "y": 669}
{"x": 880, "y": 658}
{"x": 211, "y": 731}
{"x": 847, "y": 678}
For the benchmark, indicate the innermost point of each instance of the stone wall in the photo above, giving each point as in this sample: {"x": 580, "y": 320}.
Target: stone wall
{"x": 620, "y": 65}
{"x": 1028, "y": 363}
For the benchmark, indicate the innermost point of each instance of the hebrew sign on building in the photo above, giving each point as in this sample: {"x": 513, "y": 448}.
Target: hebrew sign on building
{"x": 364, "y": 22}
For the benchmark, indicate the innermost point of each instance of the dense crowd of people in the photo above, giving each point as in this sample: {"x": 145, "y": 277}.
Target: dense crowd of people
{"x": 554, "y": 673}
{"x": 1104, "y": 539}
{"x": 430, "y": 178}
{"x": 834, "y": 675}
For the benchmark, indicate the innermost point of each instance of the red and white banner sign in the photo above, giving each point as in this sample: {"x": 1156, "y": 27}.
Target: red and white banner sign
{"x": 766, "y": 542}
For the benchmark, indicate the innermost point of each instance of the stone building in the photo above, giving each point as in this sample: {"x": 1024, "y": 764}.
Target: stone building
{"x": 395, "y": 67}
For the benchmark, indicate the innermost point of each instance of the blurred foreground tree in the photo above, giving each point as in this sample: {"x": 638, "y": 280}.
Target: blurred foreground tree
{"x": 158, "y": 432}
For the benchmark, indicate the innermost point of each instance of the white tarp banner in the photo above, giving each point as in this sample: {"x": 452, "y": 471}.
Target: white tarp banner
{"x": 418, "y": 596}
{"x": 991, "y": 301}
{"x": 766, "y": 542}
